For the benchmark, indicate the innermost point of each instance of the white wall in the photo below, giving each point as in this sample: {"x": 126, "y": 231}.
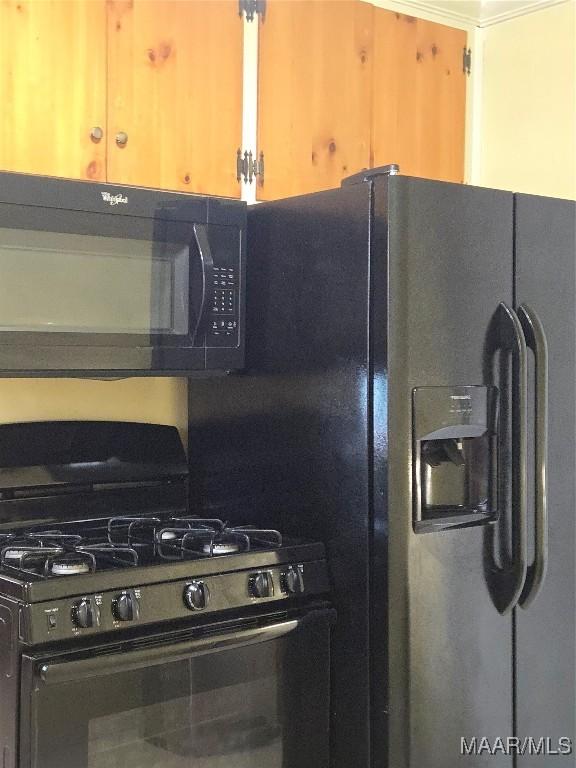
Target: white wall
{"x": 525, "y": 135}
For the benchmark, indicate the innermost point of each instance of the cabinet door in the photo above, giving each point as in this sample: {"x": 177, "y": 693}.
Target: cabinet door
{"x": 314, "y": 92}
{"x": 545, "y": 629}
{"x": 175, "y": 90}
{"x": 52, "y": 86}
{"x": 419, "y": 96}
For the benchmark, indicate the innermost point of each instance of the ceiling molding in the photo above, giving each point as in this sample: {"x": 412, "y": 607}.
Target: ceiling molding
{"x": 430, "y": 10}
{"x": 537, "y": 5}
{"x": 471, "y": 14}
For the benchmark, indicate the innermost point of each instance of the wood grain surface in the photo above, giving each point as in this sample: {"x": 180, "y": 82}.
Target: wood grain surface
{"x": 175, "y": 88}
{"x": 314, "y": 100}
{"x": 419, "y": 109}
{"x": 53, "y": 87}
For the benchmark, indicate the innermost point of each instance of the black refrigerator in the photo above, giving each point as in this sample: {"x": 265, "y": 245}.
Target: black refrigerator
{"x": 409, "y": 399}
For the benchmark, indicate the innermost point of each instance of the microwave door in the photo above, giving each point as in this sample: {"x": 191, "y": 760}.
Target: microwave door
{"x": 86, "y": 293}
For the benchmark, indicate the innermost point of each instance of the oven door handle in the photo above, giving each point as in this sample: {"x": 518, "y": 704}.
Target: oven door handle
{"x": 69, "y": 671}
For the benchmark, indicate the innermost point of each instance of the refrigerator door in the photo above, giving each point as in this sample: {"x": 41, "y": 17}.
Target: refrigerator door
{"x": 545, "y": 628}
{"x": 450, "y": 641}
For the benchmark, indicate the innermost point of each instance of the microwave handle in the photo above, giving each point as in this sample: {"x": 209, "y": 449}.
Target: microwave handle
{"x": 95, "y": 666}
{"x": 206, "y": 264}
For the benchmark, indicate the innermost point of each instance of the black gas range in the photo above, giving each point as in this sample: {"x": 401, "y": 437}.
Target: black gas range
{"x": 136, "y": 631}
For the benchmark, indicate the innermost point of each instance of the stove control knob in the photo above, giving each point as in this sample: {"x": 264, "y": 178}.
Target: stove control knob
{"x": 197, "y": 596}
{"x": 261, "y": 584}
{"x": 293, "y": 581}
{"x": 126, "y": 607}
{"x": 85, "y": 614}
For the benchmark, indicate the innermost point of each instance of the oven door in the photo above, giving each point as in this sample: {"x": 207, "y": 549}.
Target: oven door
{"x": 243, "y": 697}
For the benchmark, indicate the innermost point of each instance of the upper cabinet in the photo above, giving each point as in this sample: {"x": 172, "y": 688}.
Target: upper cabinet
{"x": 53, "y": 87}
{"x": 145, "y": 92}
{"x": 175, "y": 94}
{"x": 419, "y": 96}
{"x": 150, "y": 92}
{"x": 344, "y": 86}
{"x": 314, "y": 94}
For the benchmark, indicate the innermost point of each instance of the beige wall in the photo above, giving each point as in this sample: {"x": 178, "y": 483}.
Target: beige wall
{"x": 160, "y": 401}
{"x": 526, "y": 132}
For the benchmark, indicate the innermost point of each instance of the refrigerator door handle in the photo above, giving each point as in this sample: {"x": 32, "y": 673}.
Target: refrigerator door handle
{"x": 536, "y": 341}
{"x": 512, "y": 339}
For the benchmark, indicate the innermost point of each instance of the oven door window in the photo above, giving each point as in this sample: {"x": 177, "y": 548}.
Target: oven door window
{"x": 260, "y": 705}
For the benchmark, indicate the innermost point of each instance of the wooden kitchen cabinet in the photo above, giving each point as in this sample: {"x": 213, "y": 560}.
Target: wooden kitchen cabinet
{"x": 52, "y": 86}
{"x": 175, "y": 91}
{"x": 345, "y": 86}
{"x": 341, "y": 86}
{"x": 314, "y": 94}
{"x": 166, "y": 73}
{"x": 419, "y": 96}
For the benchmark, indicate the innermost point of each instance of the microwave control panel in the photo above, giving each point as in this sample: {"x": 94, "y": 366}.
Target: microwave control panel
{"x": 223, "y": 325}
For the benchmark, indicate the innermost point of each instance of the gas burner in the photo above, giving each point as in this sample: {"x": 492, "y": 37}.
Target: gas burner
{"x": 54, "y": 553}
{"x": 27, "y": 557}
{"x": 46, "y": 560}
{"x": 69, "y": 568}
{"x": 202, "y": 540}
{"x": 221, "y": 548}
{"x": 191, "y": 537}
{"x": 31, "y": 550}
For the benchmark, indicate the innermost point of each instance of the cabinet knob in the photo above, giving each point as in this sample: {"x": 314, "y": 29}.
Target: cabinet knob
{"x": 121, "y": 138}
{"x": 96, "y": 134}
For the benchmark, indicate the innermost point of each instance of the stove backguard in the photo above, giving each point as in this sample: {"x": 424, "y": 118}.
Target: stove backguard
{"x": 455, "y": 456}
{"x": 58, "y": 471}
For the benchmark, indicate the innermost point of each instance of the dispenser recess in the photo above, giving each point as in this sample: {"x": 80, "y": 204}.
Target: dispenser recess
{"x": 455, "y": 456}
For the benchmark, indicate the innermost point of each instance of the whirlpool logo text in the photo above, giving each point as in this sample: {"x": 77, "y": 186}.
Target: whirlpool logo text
{"x": 114, "y": 199}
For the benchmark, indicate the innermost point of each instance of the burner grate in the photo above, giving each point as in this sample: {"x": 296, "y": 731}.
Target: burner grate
{"x": 206, "y": 537}
{"x": 112, "y": 554}
{"x": 42, "y": 560}
{"x": 191, "y": 542}
{"x": 125, "y": 542}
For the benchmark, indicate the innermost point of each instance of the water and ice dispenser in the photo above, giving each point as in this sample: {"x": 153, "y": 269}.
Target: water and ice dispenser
{"x": 455, "y": 456}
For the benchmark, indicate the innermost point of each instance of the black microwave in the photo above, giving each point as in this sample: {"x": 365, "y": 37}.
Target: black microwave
{"x": 107, "y": 280}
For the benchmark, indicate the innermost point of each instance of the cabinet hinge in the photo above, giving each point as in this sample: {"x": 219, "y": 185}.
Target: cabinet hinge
{"x": 248, "y": 167}
{"x": 251, "y": 7}
{"x": 467, "y": 61}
